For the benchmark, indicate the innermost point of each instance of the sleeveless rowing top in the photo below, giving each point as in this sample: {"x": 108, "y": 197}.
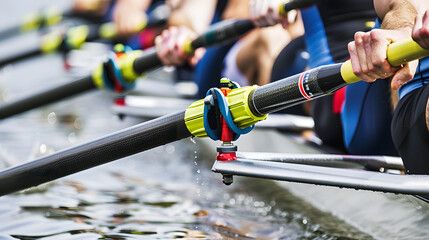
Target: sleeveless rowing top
{"x": 331, "y": 25}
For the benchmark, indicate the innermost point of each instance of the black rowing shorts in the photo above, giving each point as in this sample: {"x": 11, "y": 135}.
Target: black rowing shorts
{"x": 409, "y": 131}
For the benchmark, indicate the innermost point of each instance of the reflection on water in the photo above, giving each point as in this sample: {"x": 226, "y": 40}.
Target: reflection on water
{"x": 116, "y": 203}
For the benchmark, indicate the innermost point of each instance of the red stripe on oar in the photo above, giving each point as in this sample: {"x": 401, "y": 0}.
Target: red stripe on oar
{"x": 301, "y": 86}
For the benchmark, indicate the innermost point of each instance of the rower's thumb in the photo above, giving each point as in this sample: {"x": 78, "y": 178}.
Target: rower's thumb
{"x": 404, "y": 74}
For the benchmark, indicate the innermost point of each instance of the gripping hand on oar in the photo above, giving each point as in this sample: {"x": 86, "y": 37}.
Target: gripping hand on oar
{"x": 171, "y": 47}
{"x": 421, "y": 30}
{"x": 368, "y": 53}
{"x": 266, "y": 13}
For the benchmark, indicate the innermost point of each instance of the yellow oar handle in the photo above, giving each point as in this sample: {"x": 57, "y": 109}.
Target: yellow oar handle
{"x": 187, "y": 47}
{"x": 397, "y": 53}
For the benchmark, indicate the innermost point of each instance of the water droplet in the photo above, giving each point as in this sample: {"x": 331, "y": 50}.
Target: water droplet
{"x": 52, "y": 118}
{"x": 170, "y": 149}
{"x": 43, "y": 148}
{"x": 72, "y": 137}
{"x": 304, "y": 221}
{"x": 198, "y": 171}
{"x": 78, "y": 124}
{"x": 193, "y": 140}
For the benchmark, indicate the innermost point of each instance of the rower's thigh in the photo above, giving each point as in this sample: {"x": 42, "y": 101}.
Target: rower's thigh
{"x": 409, "y": 131}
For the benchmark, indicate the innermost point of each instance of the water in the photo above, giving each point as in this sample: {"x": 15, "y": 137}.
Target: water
{"x": 166, "y": 193}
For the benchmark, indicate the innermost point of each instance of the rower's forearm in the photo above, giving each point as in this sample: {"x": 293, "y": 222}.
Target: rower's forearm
{"x": 400, "y": 16}
{"x": 142, "y": 5}
{"x": 194, "y": 14}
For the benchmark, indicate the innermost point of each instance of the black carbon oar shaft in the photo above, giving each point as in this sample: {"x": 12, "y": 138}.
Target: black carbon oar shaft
{"x": 297, "y": 89}
{"x": 298, "y": 4}
{"x": 46, "y": 97}
{"x": 132, "y": 140}
{"x": 147, "y": 61}
{"x": 34, "y": 49}
{"x": 220, "y": 34}
{"x": 30, "y": 51}
{"x": 124, "y": 143}
{"x": 39, "y": 21}
{"x": 9, "y": 32}
{"x": 323, "y": 80}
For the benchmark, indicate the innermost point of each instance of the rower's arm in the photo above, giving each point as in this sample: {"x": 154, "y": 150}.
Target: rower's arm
{"x": 194, "y": 14}
{"x": 400, "y": 14}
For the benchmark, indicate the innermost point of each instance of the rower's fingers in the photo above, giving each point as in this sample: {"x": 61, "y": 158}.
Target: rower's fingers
{"x": 378, "y": 54}
{"x": 360, "y": 58}
{"x": 354, "y": 59}
{"x": 272, "y": 18}
{"x": 174, "y": 47}
{"x": 171, "y": 40}
{"x": 184, "y": 36}
{"x": 421, "y": 30}
{"x": 163, "y": 44}
{"x": 159, "y": 43}
{"x": 366, "y": 44}
{"x": 198, "y": 55}
{"x": 404, "y": 74}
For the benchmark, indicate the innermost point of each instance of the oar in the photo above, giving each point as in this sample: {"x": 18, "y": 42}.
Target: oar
{"x": 36, "y": 21}
{"x": 247, "y": 105}
{"x": 53, "y": 41}
{"x": 136, "y": 66}
{"x": 137, "y": 63}
{"x": 73, "y": 38}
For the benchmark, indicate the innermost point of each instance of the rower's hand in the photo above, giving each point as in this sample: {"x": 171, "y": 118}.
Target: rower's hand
{"x": 98, "y": 7}
{"x": 368, "y": 55}
{"x": 421, "y": 30}
{"x": 265, "y": 13}
{"x": 170, "y": 47}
